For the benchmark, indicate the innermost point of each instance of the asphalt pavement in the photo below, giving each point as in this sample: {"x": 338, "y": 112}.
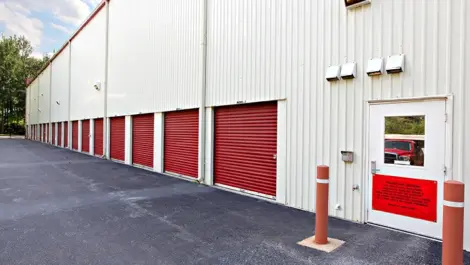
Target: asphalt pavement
{"x": 62, "y": 207}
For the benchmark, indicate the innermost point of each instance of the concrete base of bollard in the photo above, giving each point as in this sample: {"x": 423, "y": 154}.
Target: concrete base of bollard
{"x": 329, "y": 247}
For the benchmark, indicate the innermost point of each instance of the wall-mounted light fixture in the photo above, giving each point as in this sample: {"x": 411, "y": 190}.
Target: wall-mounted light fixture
{"x": 350, "y": 4}
{"x": 97, "y": 86}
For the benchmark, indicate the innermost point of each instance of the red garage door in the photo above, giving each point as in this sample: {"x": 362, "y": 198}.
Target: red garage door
{"x": 117, "y": 135}
{"x": 46, "y": 133}
{"x": 53, "y": 141}
{"x": 98, "y": 137}
{"x": 59, "y": 134}
{"x": 66, "y": 134}
{"x": 181, "y": 142}
{"x": 142, "y": 139}
{"x": 86, "y": 136}
{"x": 75, "y": 135}
{"x": 245, "y": 147}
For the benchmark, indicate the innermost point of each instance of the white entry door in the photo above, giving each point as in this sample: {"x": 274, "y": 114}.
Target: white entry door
{"x": 407, "y": 167}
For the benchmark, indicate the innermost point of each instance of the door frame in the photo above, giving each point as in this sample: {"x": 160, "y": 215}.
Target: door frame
{"x": 448, "y": 156}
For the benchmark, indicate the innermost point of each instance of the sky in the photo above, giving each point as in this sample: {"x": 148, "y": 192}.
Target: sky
{"x": 47, "y": 24}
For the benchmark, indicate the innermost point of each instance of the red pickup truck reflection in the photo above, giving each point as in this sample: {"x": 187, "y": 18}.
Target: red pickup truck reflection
{"x": 399, "y": 151}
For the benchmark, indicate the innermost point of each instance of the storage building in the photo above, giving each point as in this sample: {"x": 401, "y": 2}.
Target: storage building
{"x": 250, "y": 96}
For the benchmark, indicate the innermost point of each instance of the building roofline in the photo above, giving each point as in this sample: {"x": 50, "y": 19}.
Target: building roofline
{"x": 87, "y": 21}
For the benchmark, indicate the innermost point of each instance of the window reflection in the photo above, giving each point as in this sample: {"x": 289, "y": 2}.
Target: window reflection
{"x": 404, "y": 140}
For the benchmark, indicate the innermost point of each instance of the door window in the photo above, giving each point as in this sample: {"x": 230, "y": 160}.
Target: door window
{"x": 404, "y": 140}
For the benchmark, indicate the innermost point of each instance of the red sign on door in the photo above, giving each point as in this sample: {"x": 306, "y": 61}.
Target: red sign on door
{"x": 415, "y": 198}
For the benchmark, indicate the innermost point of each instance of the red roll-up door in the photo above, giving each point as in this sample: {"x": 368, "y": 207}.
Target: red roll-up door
{"x": 53, "y": 133}
{"x": 245, "y": 147}
{"x": 181, "y": 142}
{"x": 59, "y": 134}
{"x": 117, "y": 138}
{"x": 44, "y": 133}
{"x": 142, "y": 139}
{"x": 86, "y": 136}
{"x": 75, "y": 135}
{"x": 98, "y": 137}
{"x": 66, "y": 134}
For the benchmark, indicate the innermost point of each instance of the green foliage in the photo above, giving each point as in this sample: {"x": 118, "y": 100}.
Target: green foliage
{"x": 405, "y": 125}
{"x": 16, "y": 66}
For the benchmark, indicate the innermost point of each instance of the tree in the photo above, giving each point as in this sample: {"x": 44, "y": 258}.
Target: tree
{"x": 16, "y": 66}
{"x": 405, "y": 125}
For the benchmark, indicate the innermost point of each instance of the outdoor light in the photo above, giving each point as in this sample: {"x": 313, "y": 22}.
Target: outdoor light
{"x": 350, "y": 4}
{"x": 97, "y": 86}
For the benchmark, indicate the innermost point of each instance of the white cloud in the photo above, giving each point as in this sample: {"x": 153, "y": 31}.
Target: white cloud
{"x": 68, "y": 11}
{"x": 16, "y": 20}
{"x": 39, "y": 55}
{"x": 18, "y": 16}
{"x": 61, "y": 28}
{"x": 18, "y": 8}
{"x": 93, "y": 3}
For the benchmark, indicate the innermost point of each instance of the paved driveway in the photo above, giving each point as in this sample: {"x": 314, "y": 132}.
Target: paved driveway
{"x": 61, "y": 207}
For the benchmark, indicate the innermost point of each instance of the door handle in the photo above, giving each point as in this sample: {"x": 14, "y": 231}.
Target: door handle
{"x": 373, "y": 167}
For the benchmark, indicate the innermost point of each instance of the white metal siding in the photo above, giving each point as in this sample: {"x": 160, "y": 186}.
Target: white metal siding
{"x": 28, "y": 107}
{"x": 88, "y": 64}
{"x": 271, "y": 49}
{"x": 44, "y": 95}
{"x": 279, "y": 49}
{"x": 60, "y": 87}
{"x": 33, "y": 87}
{"x": 154, "y": 56}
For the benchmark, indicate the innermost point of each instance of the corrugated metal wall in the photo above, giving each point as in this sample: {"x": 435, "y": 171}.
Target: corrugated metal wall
{"x": 158, "y": 66}
{"x": 33, "y": 87}
{"x": 28, "y": 107}
{"x": 60, "y": 87}
{"x": 279, "y": 50}
{"x": 273, "y": 49}
{"x": 44, "y": 95}
{"x": 88, "y": 67}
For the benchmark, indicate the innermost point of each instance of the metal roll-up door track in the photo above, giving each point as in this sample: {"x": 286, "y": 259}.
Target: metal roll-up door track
{"x": 246, "y": 146}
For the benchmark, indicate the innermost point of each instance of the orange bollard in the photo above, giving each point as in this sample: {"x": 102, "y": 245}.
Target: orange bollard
{"x": 452, "y": 225}
{"x": 321, "y": 215}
